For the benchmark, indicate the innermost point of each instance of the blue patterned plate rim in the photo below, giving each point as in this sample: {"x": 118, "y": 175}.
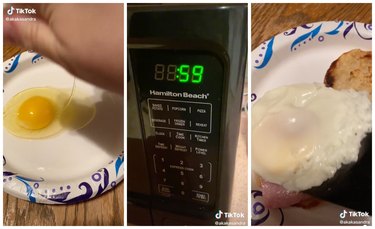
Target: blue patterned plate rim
{"x": 310, "y": 31}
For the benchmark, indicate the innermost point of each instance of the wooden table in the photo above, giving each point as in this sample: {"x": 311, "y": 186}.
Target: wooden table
{"x": 268, "y": 20}
{"x": 108, "y": 209}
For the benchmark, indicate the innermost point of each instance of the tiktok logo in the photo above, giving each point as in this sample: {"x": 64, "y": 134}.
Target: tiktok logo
{"x": 218, "y": 215}
{"x": 343, "y": 214}
{"x": 10, "y": 11}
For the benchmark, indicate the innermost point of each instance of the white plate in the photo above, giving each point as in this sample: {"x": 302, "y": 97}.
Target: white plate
{"x": 302, "y": 55}
{"x": 71, "y": 166}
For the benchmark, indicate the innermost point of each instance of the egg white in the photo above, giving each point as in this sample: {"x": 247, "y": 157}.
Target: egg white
{"x": 302, "y": 134}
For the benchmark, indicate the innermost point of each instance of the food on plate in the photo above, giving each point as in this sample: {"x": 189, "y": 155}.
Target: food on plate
{"x": 36, "y": 113}
{"x": 303, "y": 134}
{"x": 42, "y": 112}
{"x": 352, "y": 69}
{"x": 275, "y": 196}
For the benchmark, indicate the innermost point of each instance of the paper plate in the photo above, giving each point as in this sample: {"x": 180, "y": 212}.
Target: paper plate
{"x": 302, "y": 55}
{"x": 73, "y": 165}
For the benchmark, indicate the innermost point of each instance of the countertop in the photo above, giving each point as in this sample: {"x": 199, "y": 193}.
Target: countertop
{"x": 107, "y": 209}
{"x": 268, "y": 20}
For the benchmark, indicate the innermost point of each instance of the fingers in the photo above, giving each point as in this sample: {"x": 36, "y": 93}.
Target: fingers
{"x": 33, "y": 36}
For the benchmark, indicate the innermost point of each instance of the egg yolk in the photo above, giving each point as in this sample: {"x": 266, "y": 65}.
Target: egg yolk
{"x": 36, "y": 113}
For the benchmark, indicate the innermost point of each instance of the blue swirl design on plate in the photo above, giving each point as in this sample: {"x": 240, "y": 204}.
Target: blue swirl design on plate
{"x": 294, "y": 30}
{"x": 102, "y": 187}
{"x": 354, "y": 25}
{"x": 118, "y": 163}
{"x": 258, "y": 209}
{"x": 268, "y": 54}
{"x": 29, "y": 190}
{"x": 309, "y": 35}
{"x": 30, "y": 193}
{"x": 336, "y": 30}
{"x": 102, "y": 177}
{"x": 7, "y": 174}
{"x": 62, "y": 197}
{"x": 13, "y": 65}
{"x": 253, "y": 97}
{"x": 36, "y": 58}
{"x": 349, "y": 27}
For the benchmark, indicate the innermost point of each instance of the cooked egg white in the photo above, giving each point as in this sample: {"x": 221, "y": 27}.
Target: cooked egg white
{"x": 302, "y": 134}
{"x": 38, "y": 113}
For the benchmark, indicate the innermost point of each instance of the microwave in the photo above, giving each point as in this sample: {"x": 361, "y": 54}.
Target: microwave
{"x": 186, "y": 71}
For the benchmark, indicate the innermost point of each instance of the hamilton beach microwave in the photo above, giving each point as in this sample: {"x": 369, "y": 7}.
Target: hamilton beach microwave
{"x": 186, "y": 70}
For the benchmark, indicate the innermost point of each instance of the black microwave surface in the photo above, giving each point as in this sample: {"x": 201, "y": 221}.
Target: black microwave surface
{"x": 182, "y": 23}
{"x": 180, "y": 95}
{"x": 186, "y": 69}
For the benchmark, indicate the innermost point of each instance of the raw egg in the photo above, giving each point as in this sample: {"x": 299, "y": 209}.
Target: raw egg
{"x": 36, "y": 113}
{"x": 42, "y": 112}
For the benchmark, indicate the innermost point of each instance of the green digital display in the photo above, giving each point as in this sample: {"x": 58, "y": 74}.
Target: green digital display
{"x": 183, "y": 73}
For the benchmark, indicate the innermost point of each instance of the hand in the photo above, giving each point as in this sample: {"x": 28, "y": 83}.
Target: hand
{"x": 86, "y": 39}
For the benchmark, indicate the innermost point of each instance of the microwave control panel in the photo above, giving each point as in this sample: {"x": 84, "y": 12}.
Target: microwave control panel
{"x": 180, "y": 99}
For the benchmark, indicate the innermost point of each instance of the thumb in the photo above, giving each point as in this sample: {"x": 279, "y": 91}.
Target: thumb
{"x": 32, "y": 35}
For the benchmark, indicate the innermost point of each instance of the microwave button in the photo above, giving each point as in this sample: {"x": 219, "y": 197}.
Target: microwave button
{"x": 201, "y": 125}
{"x": 160, "y": 122}
{"x": 180, "y": 135}
{"x": 179, "y": 123}
{"x": 162, "y": 134}
{"x": 201, "y": 196}
{"x": 201, "y": 117}
{"x": 160, "y": 145}
{"x": 205, "y": 170}
{"x": 165, "y": 190}
{"x": 157, "y": 106}
{"x": 179, "y": 108}
{"x": 201, "y": 109}
{"x": 200, "y": 151}
{"x": 200, "y": 138}
{"x": 180, "y": 148}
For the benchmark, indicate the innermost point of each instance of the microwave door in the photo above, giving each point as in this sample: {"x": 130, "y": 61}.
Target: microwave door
{"x": 137, "y": 173}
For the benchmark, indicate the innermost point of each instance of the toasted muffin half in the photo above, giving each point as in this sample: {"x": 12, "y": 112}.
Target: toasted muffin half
{"x": 352, "y": 69}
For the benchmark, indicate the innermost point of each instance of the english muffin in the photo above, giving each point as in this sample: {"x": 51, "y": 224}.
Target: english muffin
{"x": 352, "y": 69}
